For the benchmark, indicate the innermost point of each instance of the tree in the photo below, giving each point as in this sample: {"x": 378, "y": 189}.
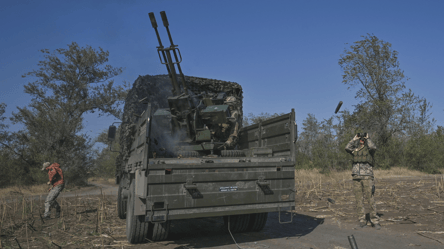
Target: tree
{"x": 105, "y": 162}
{"x": 69, "y": 83}
{"x": 385, "y": 105}
{"x": 309, "y": 135}
{"x": 3, "y": 126}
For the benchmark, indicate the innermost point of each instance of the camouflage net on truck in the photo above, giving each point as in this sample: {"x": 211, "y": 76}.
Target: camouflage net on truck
{"x": 157, "y": 89}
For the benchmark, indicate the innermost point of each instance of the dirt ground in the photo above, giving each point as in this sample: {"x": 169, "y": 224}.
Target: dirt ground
{"x": 411, "y": 211}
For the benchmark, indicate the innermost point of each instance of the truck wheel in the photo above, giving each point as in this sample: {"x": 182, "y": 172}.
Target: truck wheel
{"x": 136, "y": 226}
{"x": 121, "y": 203}
{"x": 159, "y": 231}
{"x": 257, "y": 222}
{"x": 238, "y": 223}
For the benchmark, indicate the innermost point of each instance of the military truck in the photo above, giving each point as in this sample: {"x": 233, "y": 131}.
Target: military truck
{"x": 187, "y": 156}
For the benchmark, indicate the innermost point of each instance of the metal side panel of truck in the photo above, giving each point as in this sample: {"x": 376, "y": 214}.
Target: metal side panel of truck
{"x": 183, "y": 188}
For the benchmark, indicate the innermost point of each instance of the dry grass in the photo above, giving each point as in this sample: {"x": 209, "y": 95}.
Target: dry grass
{"x": 396, "y": 172}
{"x": 405, "y": 203}
{"x": 313, "y": 175}
{"x": 313, "y": 182}
{"x": 102, "y": 180}
{"x": 85, "y": 222}
{"x": 25, "y": 190}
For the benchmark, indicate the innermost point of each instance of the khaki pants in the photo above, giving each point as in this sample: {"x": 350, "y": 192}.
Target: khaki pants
{"x": 362, "y": 188}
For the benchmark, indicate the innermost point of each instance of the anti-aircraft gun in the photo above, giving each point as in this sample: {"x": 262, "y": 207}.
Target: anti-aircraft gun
{"x": 197, "y": 123}
{"x": 194, "y": 160}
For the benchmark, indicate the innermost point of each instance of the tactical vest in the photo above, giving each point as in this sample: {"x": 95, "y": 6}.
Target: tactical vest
{"x": 363, "y": 156}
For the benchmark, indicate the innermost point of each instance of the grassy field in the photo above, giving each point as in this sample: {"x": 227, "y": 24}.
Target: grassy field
{"x": 306, "y": 177}
{"x": 40, "y": 189}
{"x": 407, "y": 201}
{"x": 91, "y": 221}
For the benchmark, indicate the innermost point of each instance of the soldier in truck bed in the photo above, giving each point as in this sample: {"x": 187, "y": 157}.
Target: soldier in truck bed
{"x": 229, "y": 131}
{"x": 363, "y": 149}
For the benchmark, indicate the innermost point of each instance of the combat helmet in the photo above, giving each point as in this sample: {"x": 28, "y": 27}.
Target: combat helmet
{"x": 230, "y": 100}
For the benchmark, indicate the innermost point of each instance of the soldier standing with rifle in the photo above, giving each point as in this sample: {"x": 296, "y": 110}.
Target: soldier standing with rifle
{"x": 363, "y": 149}
{"x": 56, "y": 180}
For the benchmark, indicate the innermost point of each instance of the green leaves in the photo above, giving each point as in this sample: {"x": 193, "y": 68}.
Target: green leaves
{"x": 68, "y": 83}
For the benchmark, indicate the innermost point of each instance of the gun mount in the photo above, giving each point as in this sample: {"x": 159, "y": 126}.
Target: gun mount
{"x": 201, "y": 122}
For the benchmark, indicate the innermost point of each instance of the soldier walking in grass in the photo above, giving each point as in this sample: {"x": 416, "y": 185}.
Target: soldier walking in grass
{"x": 57, "y": 185}
{"x": 363, "y": 149}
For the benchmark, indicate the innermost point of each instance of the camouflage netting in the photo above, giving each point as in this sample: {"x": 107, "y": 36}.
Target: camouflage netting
{"x": 157, "y": 89}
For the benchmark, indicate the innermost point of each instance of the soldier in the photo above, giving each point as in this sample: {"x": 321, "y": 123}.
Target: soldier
{"x": 363, "y": 179}
{"x": 233, "y": 125}
{"x": 56, "y": 180}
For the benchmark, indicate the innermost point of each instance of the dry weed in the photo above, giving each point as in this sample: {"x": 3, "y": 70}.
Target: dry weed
{"x": 102, "y": 180}
{"x": 24, "y": 190}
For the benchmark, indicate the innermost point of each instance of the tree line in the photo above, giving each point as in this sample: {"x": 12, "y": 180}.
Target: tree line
{"x": 74, "y": 81}
{"x": 398, "y": 121}
{"x": 67, "y": 84}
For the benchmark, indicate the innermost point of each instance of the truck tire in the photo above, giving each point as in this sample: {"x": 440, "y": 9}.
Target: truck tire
{"x": 136, "y": 226}
{"x": 238, "y": 223}
{"x": 257, "y": 222}
{"x": 121, "y": 203}
{"x": 159, "y": 231}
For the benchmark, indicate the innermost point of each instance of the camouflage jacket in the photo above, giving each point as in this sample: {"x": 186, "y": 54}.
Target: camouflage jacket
{"x": 361, "y": 170}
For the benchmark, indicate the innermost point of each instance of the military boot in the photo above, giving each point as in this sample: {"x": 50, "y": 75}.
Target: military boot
{"x": 58, "y": 213}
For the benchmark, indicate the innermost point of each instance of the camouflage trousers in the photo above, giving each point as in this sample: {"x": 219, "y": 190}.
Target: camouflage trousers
{"x": 362, "y": 188}
{"x": 51, "y": 201}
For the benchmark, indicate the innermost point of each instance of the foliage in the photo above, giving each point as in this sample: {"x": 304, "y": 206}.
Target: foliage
{"x": 105, "y": 163}
{"x": 398, "y": 121}
{"x": 68, "y": 84}
{"x": 3, "y": 126}
{"x": 385, "y": 106}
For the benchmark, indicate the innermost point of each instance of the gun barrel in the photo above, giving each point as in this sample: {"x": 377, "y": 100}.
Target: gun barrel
{"x": 153, "y": 20}
{"x": 164, "y": 18}
{"x": 172, "y": 46}
{"x": 166, "y": 57}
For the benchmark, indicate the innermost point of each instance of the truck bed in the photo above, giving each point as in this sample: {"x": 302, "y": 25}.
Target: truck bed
{"x": 204, "y": 187}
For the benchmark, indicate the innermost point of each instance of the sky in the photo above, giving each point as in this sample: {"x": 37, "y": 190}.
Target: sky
{"x": 283, "y": 53}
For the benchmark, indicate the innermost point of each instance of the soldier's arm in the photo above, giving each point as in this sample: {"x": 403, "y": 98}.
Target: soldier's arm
{"x": 371, "y": 146}
{"x": 350, "y": 146}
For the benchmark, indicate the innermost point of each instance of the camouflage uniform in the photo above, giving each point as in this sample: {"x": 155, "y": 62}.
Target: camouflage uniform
{"x": 363, "y": 178}
{"x": 232, "y": 127}
{"x": 56, "y": 180}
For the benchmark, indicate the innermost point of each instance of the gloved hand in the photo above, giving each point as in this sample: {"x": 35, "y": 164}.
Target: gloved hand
{"x": 356, "y": 138}
{"x": 228, "y": 143}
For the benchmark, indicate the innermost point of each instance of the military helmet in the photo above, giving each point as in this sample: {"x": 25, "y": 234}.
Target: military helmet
{"x": 230, "y": 100}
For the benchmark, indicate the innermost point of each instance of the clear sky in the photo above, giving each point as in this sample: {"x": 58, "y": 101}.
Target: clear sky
{"x": 284, "y": 53}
